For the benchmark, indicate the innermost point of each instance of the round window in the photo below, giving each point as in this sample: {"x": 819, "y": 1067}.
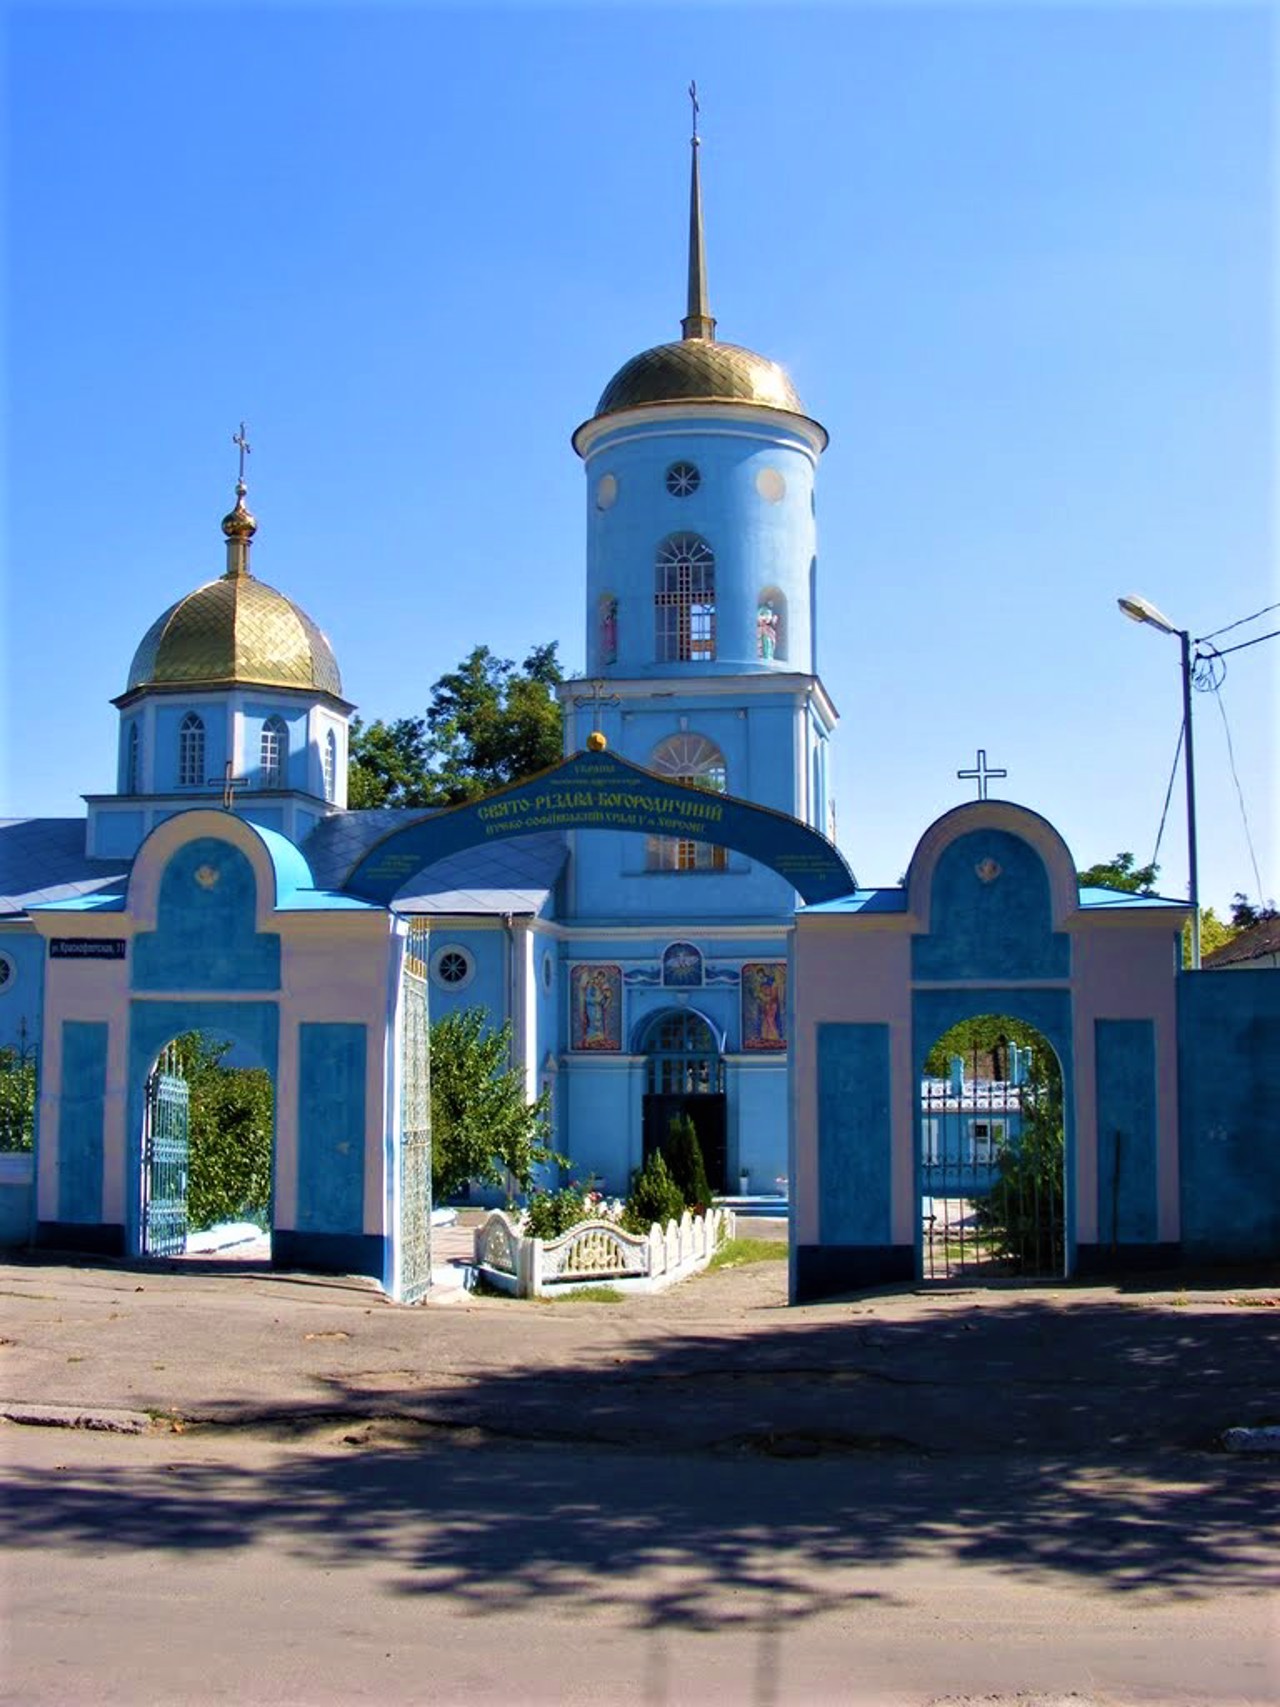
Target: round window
{"x": 683, "y": 480}
{"x": 8, "y": 973}
{"x": 606, "y": 491}
{"x": 452, "y": 966}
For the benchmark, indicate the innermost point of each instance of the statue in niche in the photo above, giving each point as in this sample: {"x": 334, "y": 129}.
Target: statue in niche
{"x": 766, "y": 632}
{"x": 608, "y": 629}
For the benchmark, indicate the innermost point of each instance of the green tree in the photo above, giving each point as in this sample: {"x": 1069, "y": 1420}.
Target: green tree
{"x": 18, "y": 1096}
{"x": 487, "y": 724}
{"x": 1121, "y": 873}
{"x": 983, "y": 1044}
{"x": 1244, "y": 913}
{"x": 230, "y": 1130}
{"x": 654, "y": 1196}
{"x": 683, "y": 1155}
{"x": 482, "y": 1125}
{"x": 1023, "y": 1211}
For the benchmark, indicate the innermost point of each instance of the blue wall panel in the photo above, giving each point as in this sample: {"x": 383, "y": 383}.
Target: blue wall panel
{"x": 997, "y": 928}
{"x": 84, "y": 1087}
{"x": 331, "y": 1127}
{"x": 1126, "y": 1077}
{"x": 205, "y": 937}
{"x": 854, "y": 1136}
{"x": 1229, "y": 1114}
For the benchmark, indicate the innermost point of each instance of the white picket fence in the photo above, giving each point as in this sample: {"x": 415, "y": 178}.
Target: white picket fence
{"x": 597, "y": 1253}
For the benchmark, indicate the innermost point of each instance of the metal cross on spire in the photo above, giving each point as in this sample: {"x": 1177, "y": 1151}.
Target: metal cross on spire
{"x": 245, "y": 449}
{"x": 982, "y": 774}
{"x": 693, "y": 96}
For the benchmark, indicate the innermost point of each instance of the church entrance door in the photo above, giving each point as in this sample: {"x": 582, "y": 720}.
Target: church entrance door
{"x": 684, "y": 1074}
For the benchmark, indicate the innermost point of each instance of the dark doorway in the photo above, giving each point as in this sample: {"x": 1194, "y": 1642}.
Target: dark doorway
{"x": 684, "y": 1074}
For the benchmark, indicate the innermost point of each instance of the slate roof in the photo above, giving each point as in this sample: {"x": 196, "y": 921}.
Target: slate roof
{"x": 1256, "y": 942}
{"x": 515, "y": 876}
{"x": 336, "y": 843}
{"x": 43, "y": 860}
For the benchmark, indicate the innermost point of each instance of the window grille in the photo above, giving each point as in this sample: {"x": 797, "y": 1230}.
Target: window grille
{"x": 275, "y": 747}
{"x": 682, "y": 1056}
{"x": 685, "y": 600}
{"x": 191, "y": 752}
{"x": 683, "y": 479}
{"x": 694, "y": 762}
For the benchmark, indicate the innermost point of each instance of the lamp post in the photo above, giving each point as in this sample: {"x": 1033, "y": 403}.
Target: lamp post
{"x": 1142, "y": 610}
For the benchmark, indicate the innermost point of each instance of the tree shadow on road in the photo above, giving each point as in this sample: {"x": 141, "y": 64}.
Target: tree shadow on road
{"x": 693, "y": 1478}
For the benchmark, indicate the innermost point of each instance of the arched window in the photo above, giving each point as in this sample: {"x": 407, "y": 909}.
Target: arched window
{"x": 274, "y": 752}
{"x": 697, "y": 763}
{"x": 132, "y": 761}
{"x": 330, "y": 766}
{"x": 685, "y": 600}
{"x": 682, "y": 1056}
{"x": 191, "y": 751}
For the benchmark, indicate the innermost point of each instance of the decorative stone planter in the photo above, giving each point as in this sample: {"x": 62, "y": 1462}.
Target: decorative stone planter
{"x": 597, "y": 1253}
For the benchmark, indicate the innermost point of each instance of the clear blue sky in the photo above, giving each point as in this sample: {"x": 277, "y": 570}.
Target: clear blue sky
{"x": 1020, "y": 261}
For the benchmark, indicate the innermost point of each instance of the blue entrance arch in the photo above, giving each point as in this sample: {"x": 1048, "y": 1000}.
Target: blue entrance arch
{"x": 599, "y": 791}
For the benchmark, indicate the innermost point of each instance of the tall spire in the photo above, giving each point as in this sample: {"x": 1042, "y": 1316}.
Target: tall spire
{"x": 239, "y": 526}
{"x": 698, "y": 322}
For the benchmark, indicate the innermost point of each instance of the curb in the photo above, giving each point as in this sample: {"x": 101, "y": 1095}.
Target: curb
{"x": 76, "y": 1416}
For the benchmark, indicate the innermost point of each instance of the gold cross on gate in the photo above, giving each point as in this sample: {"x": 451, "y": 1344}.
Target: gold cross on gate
{"x": 229, "y": 784}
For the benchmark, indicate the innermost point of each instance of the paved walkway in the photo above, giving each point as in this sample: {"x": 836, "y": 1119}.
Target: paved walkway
{"x": 718, "y": 1362}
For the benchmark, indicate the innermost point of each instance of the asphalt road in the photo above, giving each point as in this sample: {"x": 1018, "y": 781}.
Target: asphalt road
{"x": 903, "y": 1499}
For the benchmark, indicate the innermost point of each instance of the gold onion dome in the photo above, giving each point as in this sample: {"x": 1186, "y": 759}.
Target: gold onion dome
{"x": 235, "y": 630}
{"x": 699, "y": 370}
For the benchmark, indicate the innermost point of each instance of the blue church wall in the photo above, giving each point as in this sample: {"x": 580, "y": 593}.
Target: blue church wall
{"x": 294, "y": 717}
{"x": 117, "y": 834}
{"x": 205, "y": 937}
{"x": 22, "y": 993}
{"x": 602, "y": 1109}
{"x": 758, "y": 1121}
{"x": 996, "y": 926}
{"x": 1229, "y": 1097}
{"x": 80, "y": 1121}
{"x": 265, "y": 817}
{"x": 168, "y": 722}
{"x": 1125, "y": 1056}
{"x": 758, "y": 543}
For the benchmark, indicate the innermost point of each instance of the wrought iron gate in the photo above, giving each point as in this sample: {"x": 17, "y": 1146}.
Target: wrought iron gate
{"x": 991, "y": 1180}
{"x": 415, "y": 1143}
{"x": 165, "y": 1155}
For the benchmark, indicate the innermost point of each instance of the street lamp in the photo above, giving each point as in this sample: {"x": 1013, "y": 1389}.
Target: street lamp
{"x": 1142, "y": 610}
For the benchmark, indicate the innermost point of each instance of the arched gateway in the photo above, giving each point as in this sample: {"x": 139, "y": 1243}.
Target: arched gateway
{"x": 599, "y": 791}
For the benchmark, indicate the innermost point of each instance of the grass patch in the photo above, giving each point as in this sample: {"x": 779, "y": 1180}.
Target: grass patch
{"x": 583, "y": 1295}
{"x": 735, "y": 1253}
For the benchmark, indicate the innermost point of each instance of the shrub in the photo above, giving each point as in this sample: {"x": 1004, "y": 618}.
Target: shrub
{"x": 548, "y": 1214}
{"x": 655, "y": 1196}
{"x": 683, "y": 1155}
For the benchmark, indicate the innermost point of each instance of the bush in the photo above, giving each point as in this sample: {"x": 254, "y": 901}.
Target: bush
{"x": 655, "y": 1196}
{"x": 683, "y": 1155}
{"x": 548, "y": 1214}
{"x": 230, "y": 1130}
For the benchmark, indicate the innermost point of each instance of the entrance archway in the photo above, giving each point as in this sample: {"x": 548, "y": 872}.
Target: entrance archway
{"x": 684, "y": 1075}
{"x": 992, "y": 1153}
{"x": 206, "y": 1157}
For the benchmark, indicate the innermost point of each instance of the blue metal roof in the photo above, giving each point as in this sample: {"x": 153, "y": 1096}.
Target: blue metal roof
{"x": 43, "y": 862}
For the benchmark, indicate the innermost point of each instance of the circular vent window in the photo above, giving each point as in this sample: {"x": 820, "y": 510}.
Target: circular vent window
{"x": 452, "y": 966}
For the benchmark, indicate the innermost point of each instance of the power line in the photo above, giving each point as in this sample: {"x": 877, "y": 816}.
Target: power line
{"x": 1244, "y": 816}
{"x": 1266, "y": 609}
{"x": 1222, "y": 652}
{"x": 1168, "y": 795}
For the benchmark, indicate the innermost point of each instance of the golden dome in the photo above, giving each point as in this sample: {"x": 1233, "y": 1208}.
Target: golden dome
{"x": 596, "y": 742}
{"x": 235, "y": 629}
{"x": 699, "y": 370}
{"x": 240, "y": 523}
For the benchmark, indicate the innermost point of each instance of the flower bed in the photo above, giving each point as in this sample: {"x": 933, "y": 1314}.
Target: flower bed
{"x": 595, "y": 1253}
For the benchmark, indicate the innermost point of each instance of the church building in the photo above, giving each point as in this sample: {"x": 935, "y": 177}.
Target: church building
{"x": 644, "y": 974}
